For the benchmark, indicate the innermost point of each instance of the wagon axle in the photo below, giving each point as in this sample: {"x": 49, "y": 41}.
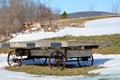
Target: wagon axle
{"x": 15, "y": 60}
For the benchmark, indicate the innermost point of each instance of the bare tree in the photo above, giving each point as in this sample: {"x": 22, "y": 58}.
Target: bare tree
{"x": 116, "y": 7}
{"x": 56, "y": 13}
{"x": 13, "y": 13}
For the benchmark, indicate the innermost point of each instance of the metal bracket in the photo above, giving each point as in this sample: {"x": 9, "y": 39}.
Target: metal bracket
{"x": 30, "y": 45}
{"x": 56, "y": 45}
{"x": 5, "y": 45}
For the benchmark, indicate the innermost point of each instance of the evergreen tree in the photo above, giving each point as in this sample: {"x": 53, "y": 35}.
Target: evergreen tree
{"x": 64, "y": 15}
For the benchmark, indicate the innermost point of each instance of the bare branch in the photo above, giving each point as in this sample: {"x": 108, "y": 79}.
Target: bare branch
{"x": 116, "y": 7}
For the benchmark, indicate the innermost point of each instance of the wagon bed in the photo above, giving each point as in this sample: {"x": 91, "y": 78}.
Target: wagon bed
{"x": 51, "y": 44}
{"x": 57, "y": 52}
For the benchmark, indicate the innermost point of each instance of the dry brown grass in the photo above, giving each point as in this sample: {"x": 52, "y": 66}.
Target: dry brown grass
{"x": 5, "y": 50}
{"x": 67, "y": 22}
{"x": 45, "y": 70}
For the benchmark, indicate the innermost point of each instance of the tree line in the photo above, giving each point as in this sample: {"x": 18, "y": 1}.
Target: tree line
{"x": 13, "y": 13}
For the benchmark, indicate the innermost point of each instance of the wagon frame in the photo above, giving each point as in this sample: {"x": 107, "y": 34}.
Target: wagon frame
{"x": 56, "y": 53}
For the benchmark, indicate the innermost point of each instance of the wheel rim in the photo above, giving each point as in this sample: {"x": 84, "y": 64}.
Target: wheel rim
{"x": 13, "y": 60}
{"x": 85, "y": 61}
{"x": 57, "y": 59}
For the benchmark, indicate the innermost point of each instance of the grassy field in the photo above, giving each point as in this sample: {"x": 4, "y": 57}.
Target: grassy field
{"x": 45, "y": 70}
{"x": 67, "y": 22}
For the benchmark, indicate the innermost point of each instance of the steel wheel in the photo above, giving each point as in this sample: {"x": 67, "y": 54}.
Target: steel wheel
{"x": 57, "y": 59}
{"x": 13, "y": 59}
{"x": 85, "y": 61}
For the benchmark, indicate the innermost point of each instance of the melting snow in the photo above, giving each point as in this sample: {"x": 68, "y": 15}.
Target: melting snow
{"x": 94, "y": 27}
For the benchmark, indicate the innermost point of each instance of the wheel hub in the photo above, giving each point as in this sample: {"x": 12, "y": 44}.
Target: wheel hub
{"x": 15, "y": 60}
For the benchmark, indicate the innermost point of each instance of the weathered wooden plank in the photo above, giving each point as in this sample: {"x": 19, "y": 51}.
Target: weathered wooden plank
{"x": 18, "y": 45}
{"x": 77, "y": 43}
{"x": 42, "y": 43}
{"x": 43, "y": 52}
{"x": 22, "y": 45}
{"x": 78, "y": 53}
{"x": 39, "y": 52}
{"x": 55, "y": 44}
{"x": 45, "y": 43}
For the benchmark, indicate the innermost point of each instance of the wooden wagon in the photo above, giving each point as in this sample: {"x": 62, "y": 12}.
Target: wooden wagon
{"x": 55, "y": 53}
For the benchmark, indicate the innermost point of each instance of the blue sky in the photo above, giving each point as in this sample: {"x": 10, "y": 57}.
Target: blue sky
{"x": 82, "y": 5}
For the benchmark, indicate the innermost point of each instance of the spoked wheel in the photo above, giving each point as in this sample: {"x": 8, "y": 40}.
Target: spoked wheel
{"x": 85, "y": 61}
{"x": 57, "y": 59}
{"x": 13, "y": 59}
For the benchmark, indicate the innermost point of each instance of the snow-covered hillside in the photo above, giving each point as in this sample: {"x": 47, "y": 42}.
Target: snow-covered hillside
{"x": 94, "y": 27}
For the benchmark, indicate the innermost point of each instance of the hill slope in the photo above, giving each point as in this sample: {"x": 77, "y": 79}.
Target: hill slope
{"x": 87, "y": 14}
